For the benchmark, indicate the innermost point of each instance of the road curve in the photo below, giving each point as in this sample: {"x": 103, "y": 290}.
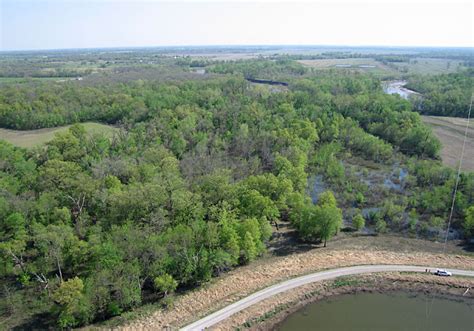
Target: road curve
{"x": 252, "y": 299}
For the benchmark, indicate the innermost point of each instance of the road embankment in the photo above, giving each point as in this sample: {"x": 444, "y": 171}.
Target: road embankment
{"x": 246, "y": 280}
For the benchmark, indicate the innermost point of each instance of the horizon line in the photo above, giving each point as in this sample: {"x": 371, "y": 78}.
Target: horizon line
{"x": 190, "y": 46}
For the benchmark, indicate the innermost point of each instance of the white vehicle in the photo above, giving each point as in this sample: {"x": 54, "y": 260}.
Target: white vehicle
{"x": 442, "y": 272}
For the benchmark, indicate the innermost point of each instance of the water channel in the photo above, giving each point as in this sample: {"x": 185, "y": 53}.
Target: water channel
{"x": 398, "y": 87}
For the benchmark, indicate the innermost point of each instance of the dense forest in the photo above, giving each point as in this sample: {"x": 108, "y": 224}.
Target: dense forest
{"x": 125, "y": 97}
{"x": 198, "y": 178}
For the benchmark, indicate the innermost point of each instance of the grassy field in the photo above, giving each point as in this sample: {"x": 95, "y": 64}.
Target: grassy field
{"x": 374, "y": 66}
{"x": 431, "y": 66}
{"x": 330, "y": 63}
{"x": 450, "y": 130}
{"x": 422, "y": 66}
{"x": 22, "y": 80}
{"x": 31, "y": 138}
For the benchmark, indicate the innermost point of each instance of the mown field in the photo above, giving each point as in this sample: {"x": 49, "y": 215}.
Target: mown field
{"x": 429, "y": 66}
{"x": 423, "y": 66}
{"x": 329, "y": 63}
{"x": 355, "y": 63}
{"x": 32, "y": 138}
{"x": 451, "y": 130}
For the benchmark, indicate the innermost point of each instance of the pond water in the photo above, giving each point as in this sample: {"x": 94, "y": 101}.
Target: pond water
{"x": 200, "y": 71}
{"x": 398, "y": 87}
{"x": 375, "y": 311}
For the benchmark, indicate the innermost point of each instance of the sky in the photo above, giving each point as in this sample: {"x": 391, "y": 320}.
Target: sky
{"x": 60, "y": 24}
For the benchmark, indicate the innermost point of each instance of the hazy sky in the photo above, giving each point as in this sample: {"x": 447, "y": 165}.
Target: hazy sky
{"x": 38, "y": 24}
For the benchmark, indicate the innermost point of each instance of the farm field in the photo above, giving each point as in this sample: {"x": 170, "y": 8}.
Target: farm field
{"x": 450, "y": 130}
{"x": 361, "y": 64}
{"x": 329, "y": 63}
{"x": 32, "y": 138}
{"x": 422, "y": 66}
{"x": 429, "y": 66}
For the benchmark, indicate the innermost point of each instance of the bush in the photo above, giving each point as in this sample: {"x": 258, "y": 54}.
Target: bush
{"x": 381, "y": 226}
{"x": 358, "y": 222}
{"x": 165, "y": 283}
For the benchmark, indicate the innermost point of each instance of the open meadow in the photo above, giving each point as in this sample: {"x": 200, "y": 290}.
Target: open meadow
{"x": 429, "y": 66}
{"x": 360, "y": 64}
{"x": 32, "y": 138}
{"x": 415, "y": 65}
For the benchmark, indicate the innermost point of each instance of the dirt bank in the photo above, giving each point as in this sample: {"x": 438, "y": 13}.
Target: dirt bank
{"x": 269, "y": 313}
{"x": 245, "y": 280}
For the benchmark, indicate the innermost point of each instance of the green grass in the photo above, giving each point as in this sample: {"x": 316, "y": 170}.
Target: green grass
{"x": 431, "y": 66}
{"x": 32, "y": 138}
{"x": 18, "y": 80}
{"x": 355, "y": 63}
{"x": 331, "y": 63}
{"x": 422, "y": 66}
{"x": 345, "y": 281}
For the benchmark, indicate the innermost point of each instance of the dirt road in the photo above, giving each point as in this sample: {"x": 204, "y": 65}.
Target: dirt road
{"x": 245, "y": 280}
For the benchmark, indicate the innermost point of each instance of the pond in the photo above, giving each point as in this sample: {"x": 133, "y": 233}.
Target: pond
{"x": 390, "y": 311}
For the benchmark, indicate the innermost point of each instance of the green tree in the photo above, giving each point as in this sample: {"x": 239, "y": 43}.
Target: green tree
{"x": 67, "y": 146}
{"x": 252, "y": 226}
{"x": 469, "y": 222}
{"x": 329, "y": 216}
{"x": 74, "y": 310}
{"x": 308, "y": 225}
{"x": 253, "y": 204}
{"x": 358, "y": 222}
{"x": 380, "y": 226}
{"x": 330, "y": 220}
{"x": 55, "y": 244}
{"x": 165, "y": 284}
{"x": 249, "y": 249}
{"x": 413, "y": 219}
{"x": 327, "y": 199}
{"x": 13, "y": 244}
{"x": 322, "y": 221}
{"x": 229, "y": 240}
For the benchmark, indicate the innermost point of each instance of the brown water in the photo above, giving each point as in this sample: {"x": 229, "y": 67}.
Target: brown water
{"x": 376, "y": 312}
